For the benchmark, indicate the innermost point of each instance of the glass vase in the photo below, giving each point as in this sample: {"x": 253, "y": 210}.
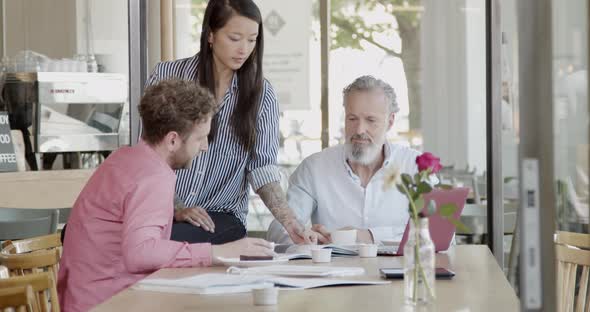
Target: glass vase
{"x": 419, "y": 265}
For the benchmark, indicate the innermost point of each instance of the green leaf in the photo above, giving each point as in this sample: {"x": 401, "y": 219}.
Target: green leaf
{"x": 424, "y": 187}
{"x": 444, "y": 186}
{"x": 447, "y": 210}
{"x": 419, "y": 203}
{"x": 417, "y": 177}
{"x": 431, "y": 207}
{"x": 400, "y": 189}
{"x": 413, "y": 194}
{"x": 407, "y": 179}
{"x": 462, "y": 228}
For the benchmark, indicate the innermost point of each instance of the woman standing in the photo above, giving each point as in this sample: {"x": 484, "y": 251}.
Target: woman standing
{"x": 212, "y": 195}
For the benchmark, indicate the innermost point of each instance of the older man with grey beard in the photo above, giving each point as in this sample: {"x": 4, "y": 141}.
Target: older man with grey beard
{"x": 341, "y": 187}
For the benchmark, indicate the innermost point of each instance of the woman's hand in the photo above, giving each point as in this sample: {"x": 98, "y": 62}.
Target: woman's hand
{"x": 196, "y": 216}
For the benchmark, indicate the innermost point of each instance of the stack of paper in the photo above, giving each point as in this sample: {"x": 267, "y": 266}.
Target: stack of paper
{"x": 217, "y": 283}
{"x": 299, "y": 270}
{"x": 206, "y": 284}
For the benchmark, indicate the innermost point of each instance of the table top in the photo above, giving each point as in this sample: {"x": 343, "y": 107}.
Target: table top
{"x": 479, "y": 285}
{"x": 42, "y": 189}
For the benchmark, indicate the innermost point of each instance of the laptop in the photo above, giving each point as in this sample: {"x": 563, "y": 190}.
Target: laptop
{"x": 441, "y": 230}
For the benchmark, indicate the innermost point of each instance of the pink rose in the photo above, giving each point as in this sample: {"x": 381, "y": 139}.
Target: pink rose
{"x": 427, "y": 160}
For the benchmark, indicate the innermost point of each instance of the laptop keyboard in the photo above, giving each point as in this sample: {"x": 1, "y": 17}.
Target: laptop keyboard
{"x": 387, "y": 250}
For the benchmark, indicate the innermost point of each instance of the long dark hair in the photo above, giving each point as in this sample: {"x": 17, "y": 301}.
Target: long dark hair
{"x": 243, "y": 119}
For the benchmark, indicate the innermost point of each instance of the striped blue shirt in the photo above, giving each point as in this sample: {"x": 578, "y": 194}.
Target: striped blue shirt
{"x": 218, "y": 179}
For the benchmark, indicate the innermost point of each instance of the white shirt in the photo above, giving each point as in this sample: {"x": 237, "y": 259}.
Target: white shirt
{"x": 325, "y": 190}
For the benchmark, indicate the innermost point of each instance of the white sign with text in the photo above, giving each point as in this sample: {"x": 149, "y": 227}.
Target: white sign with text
{"x": 287, "y": 29}
{"x": 7, "y": 155}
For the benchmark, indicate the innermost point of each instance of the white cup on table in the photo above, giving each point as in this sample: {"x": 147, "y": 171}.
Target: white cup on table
{"x": 267, "y": 295}
{"x": 368, "y": 250}
{"x": 344, "y": 237}
{"x": 319, "y": 255}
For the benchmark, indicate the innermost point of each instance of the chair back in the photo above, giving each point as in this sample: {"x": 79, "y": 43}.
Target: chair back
{"x": 31, "y": 244}
{"x": 32, "y": 262}
{"x": 579, "y": 240}
{"x": 18, "y": 299}
{"x": 17, "y": 223}
{"x": 64, "y": 215}
{"x": 572, "y": 292}
{"x": 4, "y": 272}
{"x": 474, "y": 216}
{"x": 43, "y": 287}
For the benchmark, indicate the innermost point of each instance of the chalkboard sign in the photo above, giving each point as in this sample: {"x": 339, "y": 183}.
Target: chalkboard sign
{"x": 7, "y": 155}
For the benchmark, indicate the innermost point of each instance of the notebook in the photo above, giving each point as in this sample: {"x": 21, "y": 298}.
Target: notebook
{"x": 295, "y": 252}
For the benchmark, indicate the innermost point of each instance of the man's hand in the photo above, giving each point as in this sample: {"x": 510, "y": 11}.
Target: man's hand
{"x": 298, "y": 234}
{"x": 362, "y": 236}
{"x": 274, "y": 198}
{"x": 245, "y": 246}
{"x": 196, "y": 216}
{"x": 322, "y": 233}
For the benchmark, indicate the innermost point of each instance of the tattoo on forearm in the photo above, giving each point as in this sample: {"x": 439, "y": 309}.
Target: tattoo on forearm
{"x": 274, "y": 198}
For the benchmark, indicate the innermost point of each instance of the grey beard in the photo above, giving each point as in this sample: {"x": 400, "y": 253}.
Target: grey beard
{"x": 356, "y": 153}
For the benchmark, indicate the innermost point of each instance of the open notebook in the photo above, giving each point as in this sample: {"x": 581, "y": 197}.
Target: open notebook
{"x": 219, "y": 283}
{"x": 294, "y": 252}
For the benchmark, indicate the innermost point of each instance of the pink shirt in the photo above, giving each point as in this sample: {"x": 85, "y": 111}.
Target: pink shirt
{"x": 119, "y": 230}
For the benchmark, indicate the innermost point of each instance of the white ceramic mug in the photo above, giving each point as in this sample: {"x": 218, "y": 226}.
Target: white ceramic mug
{"x": 344, "y": 237}
{"x": 265, "y": 295}
{"x": 368, "y": 250}
{"x": 321, "y": 255}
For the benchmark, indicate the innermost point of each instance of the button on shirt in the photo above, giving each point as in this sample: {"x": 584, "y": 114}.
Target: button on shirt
{"x": 218, "y": 179}
{"x": 325, "y": 190}
{"x": 119, "y": 230}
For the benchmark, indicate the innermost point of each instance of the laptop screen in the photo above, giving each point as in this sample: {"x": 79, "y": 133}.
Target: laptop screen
{"x": 441, "y": 230}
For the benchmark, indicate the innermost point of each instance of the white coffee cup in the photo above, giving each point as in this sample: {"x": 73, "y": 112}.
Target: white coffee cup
{"x": 344, "y": 237}
{"x": 321, "y": 255}
{"x": 368, "y": 250}
{"x": 265, "y": 295}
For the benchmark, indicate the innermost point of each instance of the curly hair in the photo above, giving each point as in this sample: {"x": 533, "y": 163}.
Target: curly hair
{"x": 174, "y": 105}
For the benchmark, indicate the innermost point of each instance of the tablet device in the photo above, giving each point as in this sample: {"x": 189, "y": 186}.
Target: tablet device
{"x": 398, "y": 273}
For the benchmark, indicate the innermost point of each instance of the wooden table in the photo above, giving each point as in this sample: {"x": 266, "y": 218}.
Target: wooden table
{"x": 479, "y": 285}
{"x": 42, "y": 189}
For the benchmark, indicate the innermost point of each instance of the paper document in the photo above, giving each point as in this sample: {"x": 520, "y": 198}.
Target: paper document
{"x": 219, "y": 283}
{"x": 299, "y": 270}
{"x": 206, "y": 284}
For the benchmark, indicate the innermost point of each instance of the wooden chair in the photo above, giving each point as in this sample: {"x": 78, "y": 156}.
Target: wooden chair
{"x": 569, "y": 260}
{"x": 42, "y": 285}
{"x": 4, "y": 272}
{"x": 579, "y": 240}
{"x": 17, "y": 223}
{"x": 29, "y": 256}
{"x": 33, "y": 262}
{"x": 18, "y": 299}
{"x": 31, "y": 244}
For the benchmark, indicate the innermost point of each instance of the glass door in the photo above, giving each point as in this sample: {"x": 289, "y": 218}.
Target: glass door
{"x": 545, "y": 147}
